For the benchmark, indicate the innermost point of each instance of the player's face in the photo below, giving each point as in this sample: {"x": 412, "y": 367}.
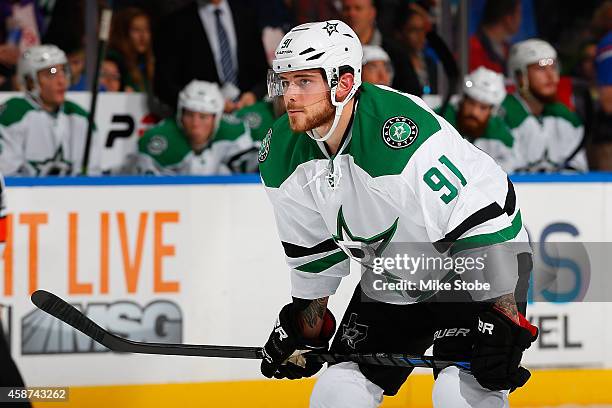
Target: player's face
{"x": 198, "y": 126}
{"x": 377, "y": 72}
{"x": 307, "y": 100}
{"x": 53, "y": 82}
{"x": 543, "y": 80}
{"x": 140, "y": 34}
{"x": 473, "y": 117}
{"x": 358, "y": 14}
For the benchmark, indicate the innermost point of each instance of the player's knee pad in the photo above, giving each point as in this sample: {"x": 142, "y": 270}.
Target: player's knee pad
{"x": 459, "y": 389}
{"x": 344, "y": 386}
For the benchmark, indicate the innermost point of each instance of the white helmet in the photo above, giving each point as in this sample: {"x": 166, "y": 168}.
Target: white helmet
{"x": 37, "y": 58}
{"x": 525, "y": 53}
{"x": 485, "y": 86}
{"x": 328, "y": 45}
{"x": 374, "y": 53}
{"x": 201, "y": 96}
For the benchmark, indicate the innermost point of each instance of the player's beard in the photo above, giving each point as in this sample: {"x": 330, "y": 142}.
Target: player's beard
{"x": 313, "y": 116}
{"x": 470, "y": 126}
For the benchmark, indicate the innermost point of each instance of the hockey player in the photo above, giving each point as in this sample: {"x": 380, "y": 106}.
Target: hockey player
{"x": 199, "y": 141}
{"x": 377, "y": 68}
{"x": 359, "y": 171}
{"x": 475, "y": 116}
{"x": 42, "y": 133}
{"x": 548, "y": 137}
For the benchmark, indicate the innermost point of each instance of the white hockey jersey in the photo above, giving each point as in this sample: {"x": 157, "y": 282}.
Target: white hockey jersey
{"x": 165, "y": 150}
{"x": 34, "y": 142}
{"x": 549, "y": 143}
{"x": 404, "y": 176}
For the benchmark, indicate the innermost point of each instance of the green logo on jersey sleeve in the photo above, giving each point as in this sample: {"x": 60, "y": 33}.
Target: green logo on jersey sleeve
{"x": 399, "y": 132}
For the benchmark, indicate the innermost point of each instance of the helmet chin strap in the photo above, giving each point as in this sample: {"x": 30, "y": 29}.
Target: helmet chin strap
{"x": 339, "y": 107}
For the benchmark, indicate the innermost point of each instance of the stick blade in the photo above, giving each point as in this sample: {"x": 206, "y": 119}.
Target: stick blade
{"x": 62, "y": 310}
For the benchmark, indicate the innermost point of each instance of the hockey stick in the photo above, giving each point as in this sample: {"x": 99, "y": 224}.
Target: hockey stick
{"x": 67, "y": 313}
{"x": 103, "y": 35}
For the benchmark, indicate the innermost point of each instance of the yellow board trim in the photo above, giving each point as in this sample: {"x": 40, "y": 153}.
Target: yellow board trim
{"x": 545, "y": 388}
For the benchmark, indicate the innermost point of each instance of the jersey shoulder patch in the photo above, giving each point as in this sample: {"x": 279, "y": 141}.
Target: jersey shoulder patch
{"x": 165, "y": 143}
{"x": 513, "y": 112}
{"x": 284, "y": 152}
{"x": 389, "y": 127}
{"x": 559, "y": 110}
{"x": 14, "y": 110}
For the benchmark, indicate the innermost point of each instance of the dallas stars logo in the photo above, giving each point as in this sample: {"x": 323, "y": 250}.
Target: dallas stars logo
{"x": 353, "y": 332}
{"x": 264, "y": 149}
{"x": 54, "y": 166}
{"x": 331, "y": 28}
{"x": 361, "y": 249}
{"x": 399, "y": 132}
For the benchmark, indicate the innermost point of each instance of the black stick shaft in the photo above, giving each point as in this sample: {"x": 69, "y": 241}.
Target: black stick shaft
{"x": 67, "y": 313}
{"x": 105, "y": 22}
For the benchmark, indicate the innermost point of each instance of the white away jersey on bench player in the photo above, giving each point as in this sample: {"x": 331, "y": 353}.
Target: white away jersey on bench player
{"x": 406, "y": 176}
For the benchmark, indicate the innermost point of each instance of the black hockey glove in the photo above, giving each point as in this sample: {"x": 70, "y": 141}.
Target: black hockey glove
{"x": 286, "y": 338}
{"x": 498, "y": 348}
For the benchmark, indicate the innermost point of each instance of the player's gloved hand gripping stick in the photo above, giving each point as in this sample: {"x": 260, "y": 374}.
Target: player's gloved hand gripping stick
{"x": 285, "y": 341}
{"x": 498, "y": 349}
{"x": 63, "y": 311}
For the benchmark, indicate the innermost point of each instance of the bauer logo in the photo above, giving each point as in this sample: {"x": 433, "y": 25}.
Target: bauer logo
{"x": 399, "y": 132}
{"x": 160, "y": 321}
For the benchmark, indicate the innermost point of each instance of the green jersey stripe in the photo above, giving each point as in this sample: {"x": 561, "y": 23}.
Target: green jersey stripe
{"x": 319, "y": 265}
{"x": 492, "y": 238}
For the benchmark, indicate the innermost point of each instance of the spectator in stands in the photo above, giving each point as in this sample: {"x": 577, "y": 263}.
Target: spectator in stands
{"x": 307, "y": 11}
{"x": 474, "y": 116}
{"x": 19, "y": 29}
{"x": 501, "y": 19}
{"x": 199, "y": 140}
{"x": 360, "y": 15}
{"x": 216, "y": 42}
{"x": 600, "y": 153}
{"x": 42, "y": 133}
{"x": 76, "y": 61}
{"x": 377, "y": 68}
{"x": 411, "y": 30}
{"x": 110, "y": 76}
{"x": 130, "y": 42}
{"x": 548, "y": 137}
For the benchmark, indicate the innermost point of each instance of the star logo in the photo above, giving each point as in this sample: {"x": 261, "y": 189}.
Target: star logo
{"x": 331, "y": 28}
{"x": 361, "y": 249}
{"x": 54, "y": 166}
{"x": 399, "y": 132}
{"x": 353, "y": 332}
